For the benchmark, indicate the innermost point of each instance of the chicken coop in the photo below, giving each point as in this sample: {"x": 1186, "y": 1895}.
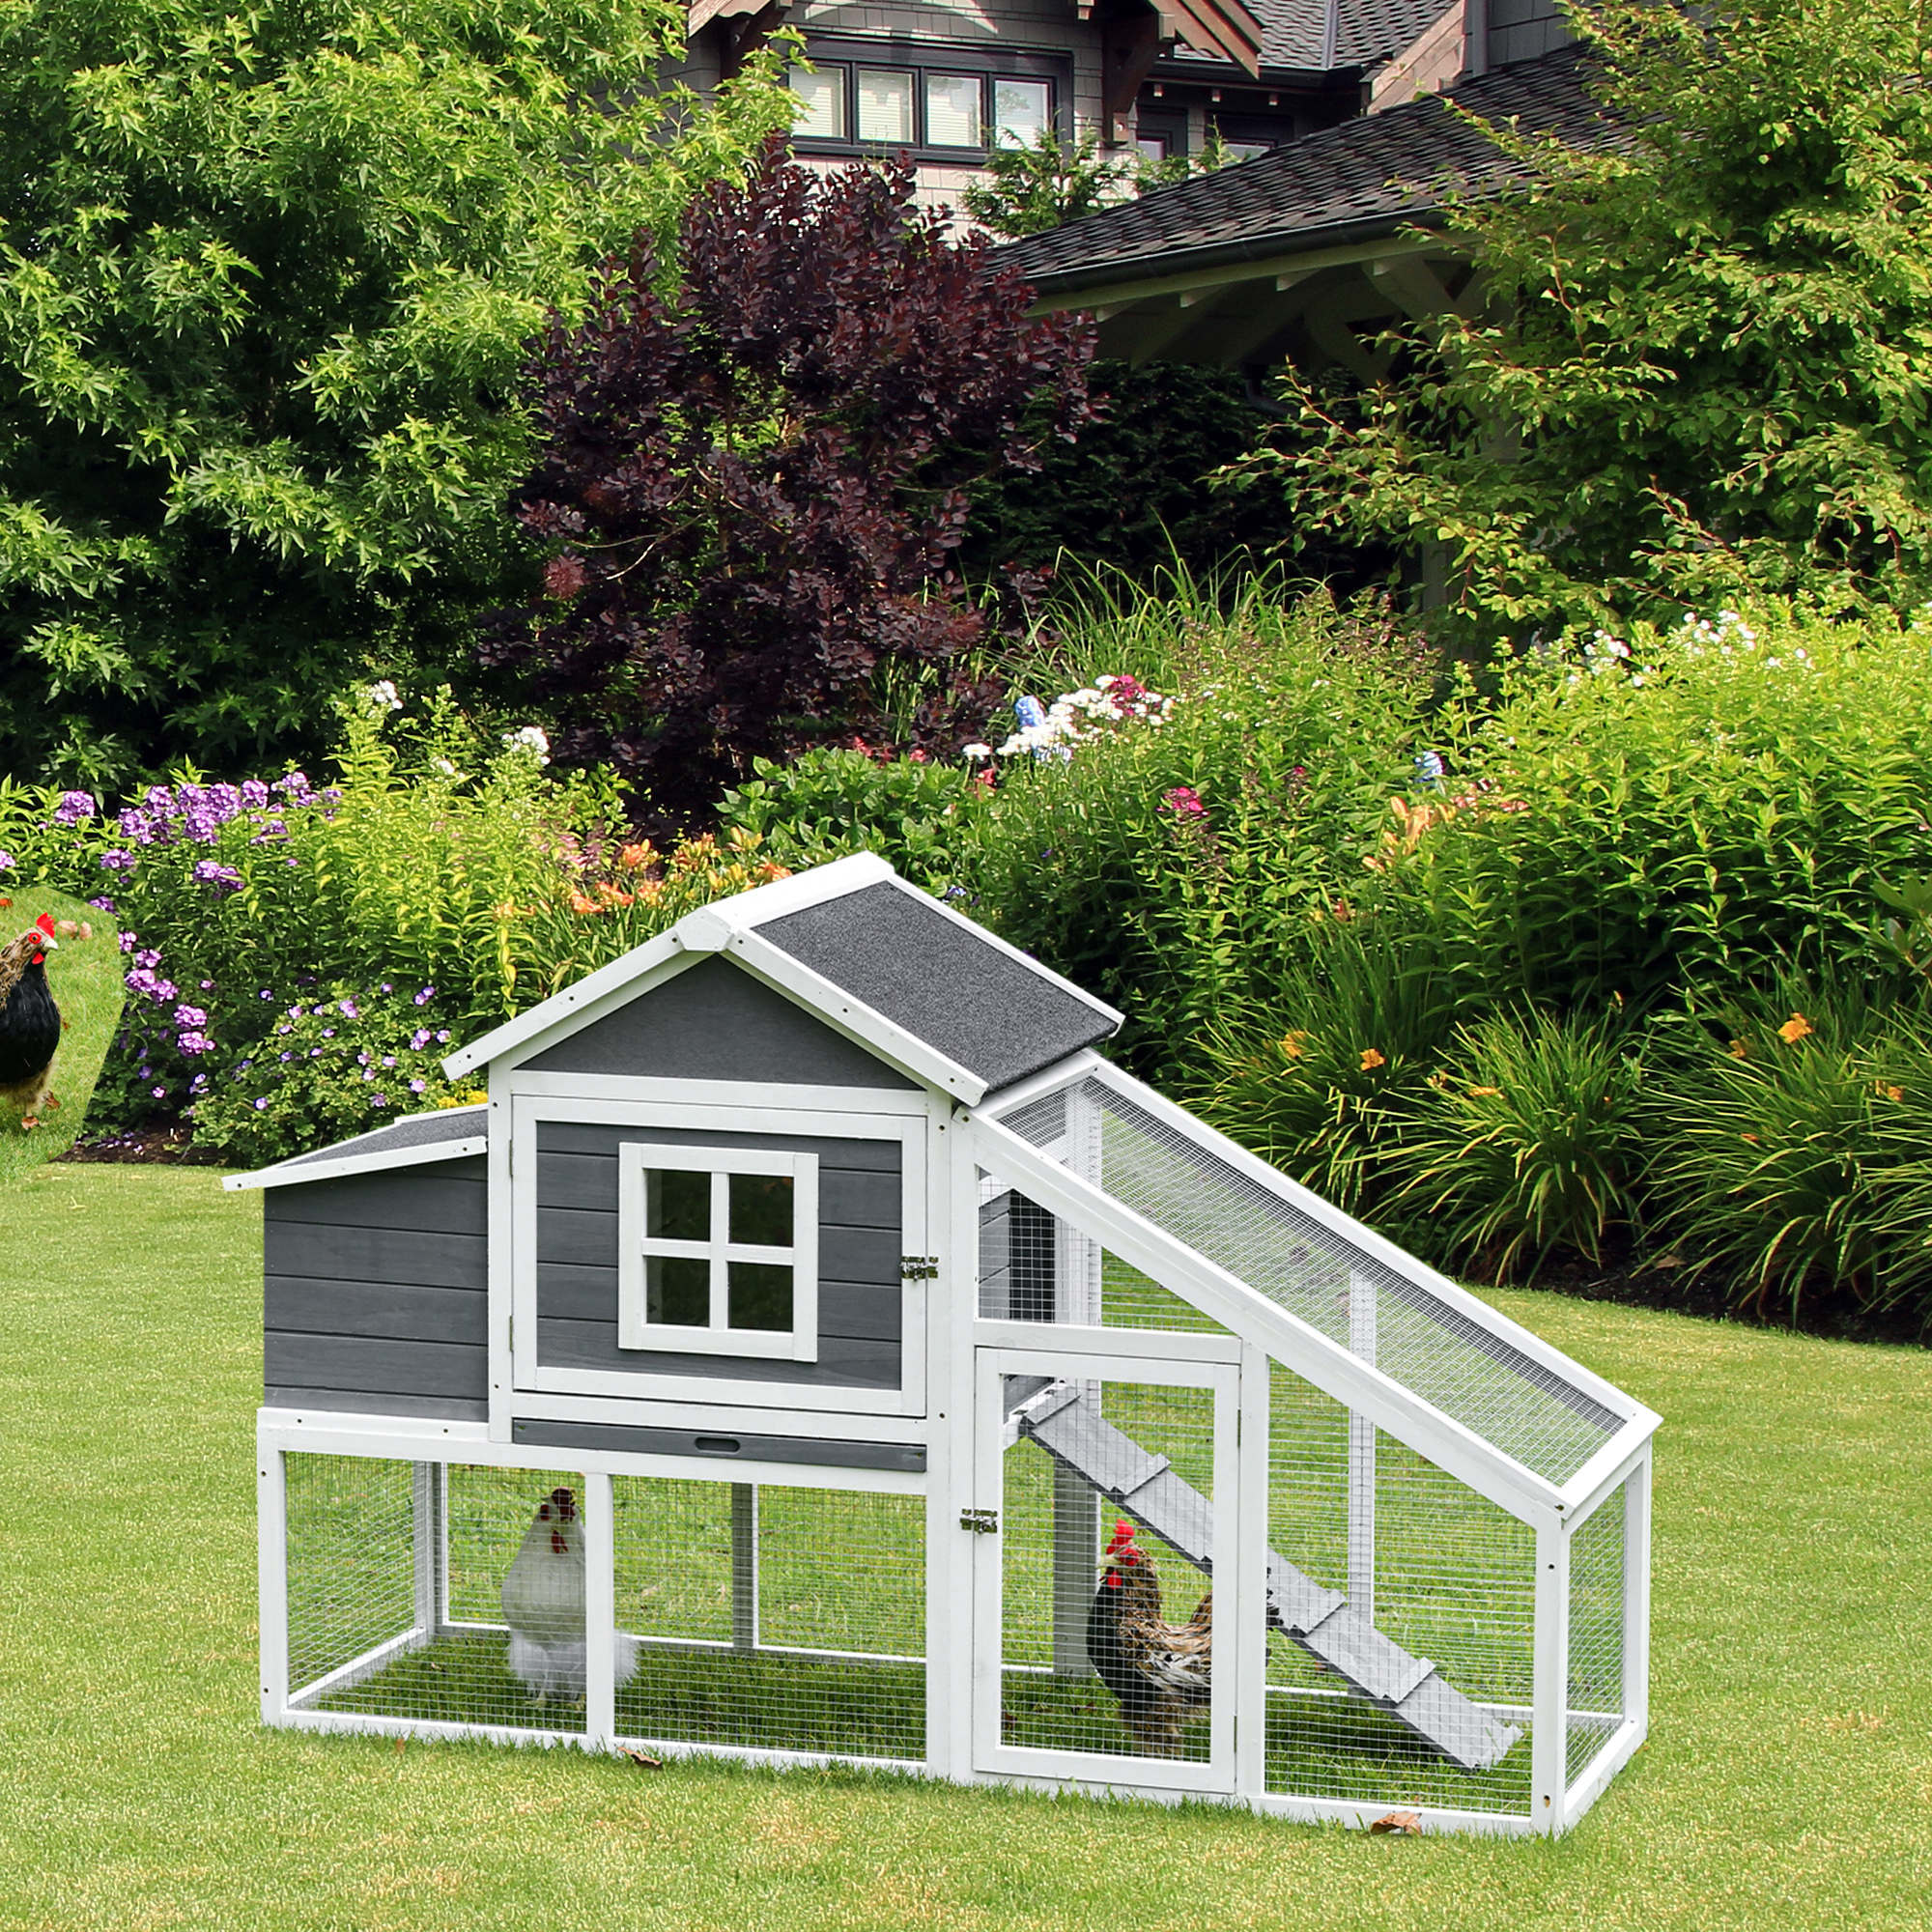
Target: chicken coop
{"x": 814, "y": 1351}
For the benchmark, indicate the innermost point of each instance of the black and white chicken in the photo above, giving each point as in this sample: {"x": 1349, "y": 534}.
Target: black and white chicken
{"x": 30, "y": 1023}
{"x": 1161, "y": 1673}
{"x": 543, "y": 1604}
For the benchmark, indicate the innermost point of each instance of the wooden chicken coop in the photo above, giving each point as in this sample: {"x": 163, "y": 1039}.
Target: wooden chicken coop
{"x": 814, "y": 1351}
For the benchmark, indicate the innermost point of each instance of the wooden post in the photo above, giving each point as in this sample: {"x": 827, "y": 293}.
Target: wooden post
{"x": 426, "y": 1510}
{"x": 1076, "y": 1505}
{"x": 744, "y": 1566}
{"x": 600, "y": 1613}
{"x": 1550, "y": 1697}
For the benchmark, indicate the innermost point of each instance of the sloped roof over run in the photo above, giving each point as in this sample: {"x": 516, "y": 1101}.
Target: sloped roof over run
{"x": 1361, "y": 180}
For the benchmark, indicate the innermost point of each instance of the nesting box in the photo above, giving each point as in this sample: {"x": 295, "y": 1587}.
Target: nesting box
{"x": 769, "y": 1367}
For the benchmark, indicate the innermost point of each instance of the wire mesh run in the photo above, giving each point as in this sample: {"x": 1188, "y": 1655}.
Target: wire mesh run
{"x": 1595, "y": 1701}
{"x": 1115, "y": 1659}
{"x": 1176, "y": 1180}
{"x": 769, "y": 1618}
{"x": 1400, "y": 1620}
{"x": 431, "y": 1593}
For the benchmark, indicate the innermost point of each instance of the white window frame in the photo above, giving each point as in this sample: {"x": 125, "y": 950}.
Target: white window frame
{"x": 636, "y": 1329}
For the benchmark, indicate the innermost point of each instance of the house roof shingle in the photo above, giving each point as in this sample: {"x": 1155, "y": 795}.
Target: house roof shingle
{"x": 1316, "y": 37}
{"x": 1359, "y": 180}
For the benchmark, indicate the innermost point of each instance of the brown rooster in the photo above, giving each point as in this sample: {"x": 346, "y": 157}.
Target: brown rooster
{"x": 30, "y": 1023}
{"x": 1159, "y": 1672}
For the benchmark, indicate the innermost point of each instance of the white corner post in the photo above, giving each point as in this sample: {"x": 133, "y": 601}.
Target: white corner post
{"x": 1076, "y": 1503}
{"x": 1549, "y": 1700}
{"x": 1362, "y": 1454}
{"x": 600, "y": 1613}
{"x": 426, "y": 1516}
{"x": 744, "y": 1566}
{"x": 271, "y": 1515}
{"x": 1637, "y": 1596}
{"x": 1251, "y": 1536}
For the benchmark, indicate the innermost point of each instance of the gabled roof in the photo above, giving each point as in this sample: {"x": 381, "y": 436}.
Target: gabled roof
{"x": 1326, "y": 36}
{"x": 923, "y": 986}
{"x": 1360, "y": 180}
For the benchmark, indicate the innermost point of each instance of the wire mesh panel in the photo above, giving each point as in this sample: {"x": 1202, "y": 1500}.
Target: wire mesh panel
{"x": 1105, "y": 1639}
{"x": 424, "y": 1593}
{"x": 1400, "y": 1620}
{"x": 1596, "y": 1687}
{"x": 1033, "y": 1267}
{"x": 1176, "y": 1180}
{"x": 765, "y": 1617}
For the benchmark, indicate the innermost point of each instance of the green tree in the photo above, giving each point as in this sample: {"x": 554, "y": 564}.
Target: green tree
{"x": 1049, "y": 182}
{"x": 1706, "y": 361}
{"x": 266, "y": 276}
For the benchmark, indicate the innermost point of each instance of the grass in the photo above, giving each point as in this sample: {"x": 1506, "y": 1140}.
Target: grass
{"x": 1788, "y": 1781}
{"x": 85, "y": 979}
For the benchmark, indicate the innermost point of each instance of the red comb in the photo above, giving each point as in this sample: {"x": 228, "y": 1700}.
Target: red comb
{"x": 1123, "y": 1534}
{"x": 46, "y": 923}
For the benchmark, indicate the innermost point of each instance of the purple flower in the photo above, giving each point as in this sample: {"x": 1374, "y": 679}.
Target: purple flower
{"x": 207, "y": 986}
{"x": 254, "y": 794}
{"x": 161, "y": 1092}
{"x": 137, "y": 825}
{"x": 261, "y": 1103}
{"x": 349, "y": 1008}
{"x": 161, "y": 801}
{"x": 388, "y": 1059}
{"x": 101, "y": 905}
{"x": 315, "y": 1053}
{"x": 211, "y": 874}
{"x": 379, "y": 1099}
{"x": 73, "y": 806}
{"x": 285, "y": 1055}
{"x": 329, "y": 1033}
{"x": 6, "y": 862}
{"x": 420, "y": 1039}
{"x": 165, "y": 989}
{"x": 443, "y": 1037}
{"x": 418, "y": 1085}
{"x": 294, "y": 786}
{"x": 423, "y": 998}
{"x": 199, "y": 1081}
{"x": 118, "y": 861}
{"x": 361, "y": 1060}
{"x": 194, "y": 1044}
{"x": 387, "y": 988}
{"x": 148, "y": 957}
{"x": 191, "y": 1016}
{"x": 267, "y": 993}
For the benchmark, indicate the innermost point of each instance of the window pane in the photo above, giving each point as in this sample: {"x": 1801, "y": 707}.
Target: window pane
{"x": 952, "y": 110}
{"x": 1152, "y": 146}
{"x": 822, "y": 102}
{"x": 677, "y": 1292}
{"x": 761, "y": 1210}
{"x": 677, "y": 1203}
{"x": 1020, "y": 112}
{"x": 760, "y": 1295}
{"x": 885, "y": 106}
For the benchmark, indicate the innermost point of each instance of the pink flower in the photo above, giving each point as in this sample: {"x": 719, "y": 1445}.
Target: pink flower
{"x": 1185, "y": 801}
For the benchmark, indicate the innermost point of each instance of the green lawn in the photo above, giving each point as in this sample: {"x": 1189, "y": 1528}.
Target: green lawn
{"x": 1788, "y": 1781}
{"x": 84, "y": 976}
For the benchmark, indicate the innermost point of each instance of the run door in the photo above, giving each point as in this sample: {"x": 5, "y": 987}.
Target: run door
{"x": 1078, "y": 1679}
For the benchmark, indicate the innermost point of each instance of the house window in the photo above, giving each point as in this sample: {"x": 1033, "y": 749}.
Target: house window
{"x": 718, "y": 1251}
{"x": 860, "y": 95}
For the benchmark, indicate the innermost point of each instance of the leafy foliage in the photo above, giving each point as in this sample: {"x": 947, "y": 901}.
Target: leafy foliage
{"x": 1026, "y": 189}
{"x": 265, "y": 279}
{"x": 756, "y": 480}
{"x": 1701, "y": 372}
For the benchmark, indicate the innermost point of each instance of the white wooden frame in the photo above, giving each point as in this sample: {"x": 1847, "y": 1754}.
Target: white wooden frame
{"x": 1233, "y": 1612}
{"x": 637, "y": 1246}
{"x": 520, "y": 1387}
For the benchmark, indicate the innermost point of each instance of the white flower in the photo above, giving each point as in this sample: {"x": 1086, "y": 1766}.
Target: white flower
{"x": 444, "y": 767}
{"x": 531, "y": 738}
{"x": 976, "y": 754}
{"x": 381, "y": 697}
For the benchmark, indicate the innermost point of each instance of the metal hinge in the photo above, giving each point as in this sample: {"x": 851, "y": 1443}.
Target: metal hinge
{"x": 918, "y": 1268}
{"x": 982, "y": 1522}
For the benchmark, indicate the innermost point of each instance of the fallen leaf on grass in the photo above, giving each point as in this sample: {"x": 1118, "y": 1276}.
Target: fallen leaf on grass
{"x": 1407, "y": 1823}
{"x": 402, "y": 1745}
{"x": 643, "y": 1762}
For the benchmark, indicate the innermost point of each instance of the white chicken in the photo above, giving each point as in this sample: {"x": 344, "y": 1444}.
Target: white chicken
{"x": 543, "y": 1604}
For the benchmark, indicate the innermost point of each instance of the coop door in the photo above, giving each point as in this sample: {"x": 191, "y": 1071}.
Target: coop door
{"x": 1080, "y": 1677}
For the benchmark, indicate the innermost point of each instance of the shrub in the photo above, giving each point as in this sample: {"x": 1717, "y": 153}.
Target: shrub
{"x": 1527, "y": 1142}
{"x": 754, "y": 474}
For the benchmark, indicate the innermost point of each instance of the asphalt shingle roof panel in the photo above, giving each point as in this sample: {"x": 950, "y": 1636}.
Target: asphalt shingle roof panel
{"x": 988, "y": 1012}
{"x": 454, "y": 1123}
{"x": 1365, "y": 177}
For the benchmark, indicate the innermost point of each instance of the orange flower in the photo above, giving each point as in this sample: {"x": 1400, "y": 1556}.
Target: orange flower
{"x": 1291, "y": 1044}
{"x": 580, "y": 903}
{"x": 1751, "y": 1138}
{"x": 1486, "y": 1092}
{"x": 1739, "y": 1050}
{"x": 634, "y": 857}
{"x": 1795, "y": 1029}
{"x": 1888, "y": 1092}
{"x": 1371, "y": 1060}
{"x": 612, "y": 895}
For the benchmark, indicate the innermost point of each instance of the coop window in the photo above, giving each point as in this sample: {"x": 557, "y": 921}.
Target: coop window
{"x": 718, "y": 1251}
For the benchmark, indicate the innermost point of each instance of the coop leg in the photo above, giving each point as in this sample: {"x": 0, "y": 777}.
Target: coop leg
{"x": 1076, "y": 1546}
{"x": 426, "y": 1498}
{"x": 745, "y": 1566}
{"x": 1362, "y": 1457}
{"x": 600, "y": 1611}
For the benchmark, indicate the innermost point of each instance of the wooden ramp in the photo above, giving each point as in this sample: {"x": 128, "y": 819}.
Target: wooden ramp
{"x": 1146, "y": 1487}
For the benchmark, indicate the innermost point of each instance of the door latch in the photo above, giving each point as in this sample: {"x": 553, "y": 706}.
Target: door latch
{"x": 919, "y": 1267}
{"x": 982, "y": 1522}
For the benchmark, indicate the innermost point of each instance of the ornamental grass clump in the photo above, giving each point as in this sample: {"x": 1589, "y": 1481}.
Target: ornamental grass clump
{"x": 1526, "y": 1142}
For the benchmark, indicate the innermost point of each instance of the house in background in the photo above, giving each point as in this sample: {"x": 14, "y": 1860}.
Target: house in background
{"x": 945, "y": 80}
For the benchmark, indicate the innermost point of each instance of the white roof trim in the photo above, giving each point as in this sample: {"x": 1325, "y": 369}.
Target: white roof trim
{"x": 705, "y": 930}
{"x": 293, "y": 1173}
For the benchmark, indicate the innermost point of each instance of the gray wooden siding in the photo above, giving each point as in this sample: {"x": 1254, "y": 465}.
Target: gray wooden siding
{"x": 376, "y": 1292}
{"x": 859, "y": 1254}
{"x": 1523, "y": 29}
{"x": 714, "y": 1022}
